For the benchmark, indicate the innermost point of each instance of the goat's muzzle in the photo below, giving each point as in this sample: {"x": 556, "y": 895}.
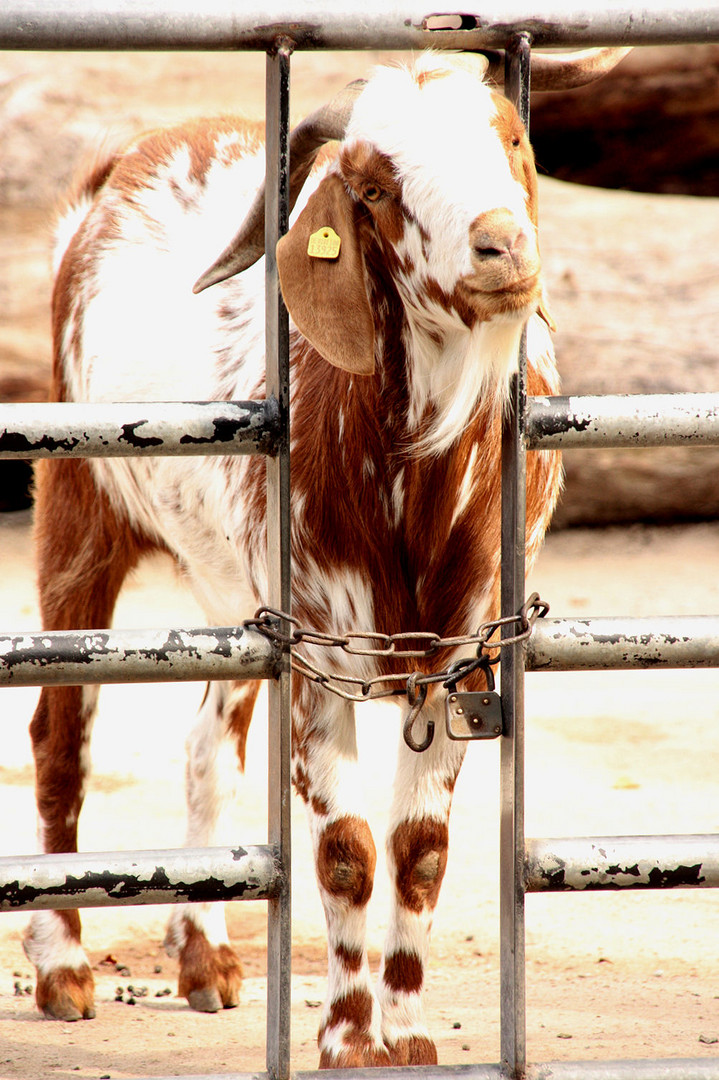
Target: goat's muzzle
{"x": 504, "y": 253}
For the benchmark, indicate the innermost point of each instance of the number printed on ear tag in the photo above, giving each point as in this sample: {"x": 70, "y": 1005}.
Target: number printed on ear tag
{"x": 324, "y": 244}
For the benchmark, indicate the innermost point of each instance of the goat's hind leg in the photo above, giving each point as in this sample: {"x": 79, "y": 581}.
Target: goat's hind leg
{"x": 84, "y": 553}
{"x": 210, "y": 970}
{"x": 60, "y": 733}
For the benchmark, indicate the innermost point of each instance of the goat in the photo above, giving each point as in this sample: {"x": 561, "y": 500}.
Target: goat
{"x": 395, "y": 460}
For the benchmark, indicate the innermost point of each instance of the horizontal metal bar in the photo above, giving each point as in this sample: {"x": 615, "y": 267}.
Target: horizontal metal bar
{"x": 71, "y": 658}
{"x": 321, "y": 24}
{"x": 648, "y": 1069}
{"x": 623, "y": 420}
{"x": 616, "y": 643}
{"x": 126, "y": 429}
{"x": 592, "y": 863}
{"x": 409, "y": 1072}
{"x": 115, "y": 879}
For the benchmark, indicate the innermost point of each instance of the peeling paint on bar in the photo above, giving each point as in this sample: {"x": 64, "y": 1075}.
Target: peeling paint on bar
{"x": 113, "y": 656}
{"x": 617, "y": 643}
{"x": 623, "y": 420}
{"x": 113, "y": 879}
{"x": 587, "y": 864}
{"x": 127, "y": 429}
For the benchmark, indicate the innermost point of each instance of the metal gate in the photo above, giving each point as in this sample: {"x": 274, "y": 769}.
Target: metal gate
{"x": 65, "y": 430}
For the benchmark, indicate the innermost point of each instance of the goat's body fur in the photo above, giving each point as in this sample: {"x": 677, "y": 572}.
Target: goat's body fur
{"x": 395, "y": 527}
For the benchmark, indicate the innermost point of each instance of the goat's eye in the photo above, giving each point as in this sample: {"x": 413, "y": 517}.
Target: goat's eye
{"x": 371, "y": 192}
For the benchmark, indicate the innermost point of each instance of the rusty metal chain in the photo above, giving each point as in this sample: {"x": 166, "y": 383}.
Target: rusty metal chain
{"x": 266, "y": 621}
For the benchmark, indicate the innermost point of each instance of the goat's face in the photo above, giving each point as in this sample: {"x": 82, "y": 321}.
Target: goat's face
{"x": 443, "y": 166}
{"x": 437, "y": 172}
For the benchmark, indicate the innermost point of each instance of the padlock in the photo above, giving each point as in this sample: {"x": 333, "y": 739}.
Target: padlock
{"x": 474, "y": 714}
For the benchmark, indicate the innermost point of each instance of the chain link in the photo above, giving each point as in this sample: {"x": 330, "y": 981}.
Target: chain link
{"x": 267, "y": 620}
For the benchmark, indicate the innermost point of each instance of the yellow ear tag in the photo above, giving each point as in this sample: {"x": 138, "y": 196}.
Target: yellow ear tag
{"x": 324, "y": 244}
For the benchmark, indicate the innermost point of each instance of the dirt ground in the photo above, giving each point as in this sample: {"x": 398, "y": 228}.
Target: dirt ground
{"x": 609, "y": 976}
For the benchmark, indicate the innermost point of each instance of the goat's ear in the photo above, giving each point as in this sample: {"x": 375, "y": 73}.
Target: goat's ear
{"x": 326, "y": 295}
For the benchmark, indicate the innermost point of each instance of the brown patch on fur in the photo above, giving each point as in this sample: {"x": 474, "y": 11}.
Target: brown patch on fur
{"x": 414, "y": 1050}
{"x": 319, "y": 806}
{"x": 301, "y": 781}
{"x": 346, "y": 860}
{"x": 518, "y": 149}
{"x": 199, "y": 137}
{"x": 362, "y": 168}
{"x": 420, "y": 854}
{"x": 353, "y": 1008}
{"x": 238, "y": 715}
{"x": 66, "y": 994}
{"x": 468, "y": 310}
{"x": 210, "y": 976}
{"x": 351, "y": 959}
{"x": 58, "y": 730}
{"x": 359, "y": 1053}
{"x": 358, "y": 1049}
{"x": 403, "y": 972}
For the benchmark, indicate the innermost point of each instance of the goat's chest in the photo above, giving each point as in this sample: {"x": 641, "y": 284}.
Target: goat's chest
{"x": 411, "y": 544}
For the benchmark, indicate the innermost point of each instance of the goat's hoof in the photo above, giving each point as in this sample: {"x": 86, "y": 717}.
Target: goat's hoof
{"x": 66, "y": 994}
{"x": 414, "y": 1050}
{"x": 206, "y": 1000}
{"x": 210, "y": 978}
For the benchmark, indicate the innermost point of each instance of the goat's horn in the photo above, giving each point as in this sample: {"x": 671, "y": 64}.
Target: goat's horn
{"x": 326, "y": 123}
{"x": 556, "y": 71}
{"x": 565, "y": 71}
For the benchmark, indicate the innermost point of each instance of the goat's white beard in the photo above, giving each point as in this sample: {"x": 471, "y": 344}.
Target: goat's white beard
{"x": 479, "y": 361}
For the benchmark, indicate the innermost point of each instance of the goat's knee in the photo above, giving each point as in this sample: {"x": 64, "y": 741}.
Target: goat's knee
{"x": 418, "y": 850}
{"x": 346, "y": 859}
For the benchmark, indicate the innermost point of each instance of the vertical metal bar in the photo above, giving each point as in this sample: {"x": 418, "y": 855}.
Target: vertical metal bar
{"x": 277, "y": 114}
{"x": 512, "y": 974}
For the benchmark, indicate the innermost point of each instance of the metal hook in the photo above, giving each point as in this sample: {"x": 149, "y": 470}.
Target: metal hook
{"x": 416, "y": 696}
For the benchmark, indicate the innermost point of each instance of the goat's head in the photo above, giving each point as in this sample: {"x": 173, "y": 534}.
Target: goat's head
{"x": 436, "y": 174}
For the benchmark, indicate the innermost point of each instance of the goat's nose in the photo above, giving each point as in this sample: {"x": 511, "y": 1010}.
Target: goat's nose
{"x": 497, "y": 234}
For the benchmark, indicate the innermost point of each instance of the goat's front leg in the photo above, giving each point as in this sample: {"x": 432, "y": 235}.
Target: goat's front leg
{"x": 417, "y": 856}
{"x": 325, "y": 775}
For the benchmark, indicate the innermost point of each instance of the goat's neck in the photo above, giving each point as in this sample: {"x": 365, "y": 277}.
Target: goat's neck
{"x": 452, "y": 373}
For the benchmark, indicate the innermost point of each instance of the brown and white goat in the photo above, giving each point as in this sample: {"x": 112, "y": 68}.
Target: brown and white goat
{"x": 395, "y": 461}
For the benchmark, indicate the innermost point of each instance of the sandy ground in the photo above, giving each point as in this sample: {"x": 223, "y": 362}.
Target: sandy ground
{"x": 609, "y": 976}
